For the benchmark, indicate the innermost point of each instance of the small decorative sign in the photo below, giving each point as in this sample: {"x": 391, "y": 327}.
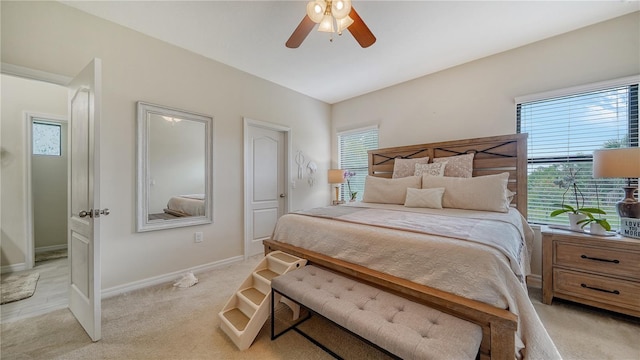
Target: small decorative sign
{"x": 630, "y": 227}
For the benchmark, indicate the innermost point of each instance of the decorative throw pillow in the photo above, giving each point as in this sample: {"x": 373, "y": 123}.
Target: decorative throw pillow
{"x": 457, "y": 166}
{"x": 488, "y": 193}
{"x": 388, "y": 191}
{"x": 406, "y": 167}
{"x": 430, "y": 169}
{"x": 424, "y": 198}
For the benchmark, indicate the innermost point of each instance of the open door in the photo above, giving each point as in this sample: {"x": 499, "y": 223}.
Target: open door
{"x": 84, "y": 199}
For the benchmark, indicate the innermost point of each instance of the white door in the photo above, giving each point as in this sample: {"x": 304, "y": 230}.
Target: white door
{"x": 265, "y": 182}
{"x": 83, "y": 242}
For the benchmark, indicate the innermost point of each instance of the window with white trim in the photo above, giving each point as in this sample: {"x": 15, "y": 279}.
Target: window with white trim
{"x": 564, "y": 129}
{"x": 47, "y": 138}
{"x": 352, "y": 156}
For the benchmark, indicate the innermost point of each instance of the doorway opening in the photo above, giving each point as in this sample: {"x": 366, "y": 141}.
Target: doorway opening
{"x": 35, "y": 113}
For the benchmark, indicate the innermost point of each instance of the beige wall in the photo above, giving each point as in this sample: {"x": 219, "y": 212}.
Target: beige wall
{"x": 20, "y": 96}
{"x": 52, "y": 37}
{"x": 477, "y": 99}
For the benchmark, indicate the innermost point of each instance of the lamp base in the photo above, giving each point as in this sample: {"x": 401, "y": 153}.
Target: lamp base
{"x": 629, "y": 207}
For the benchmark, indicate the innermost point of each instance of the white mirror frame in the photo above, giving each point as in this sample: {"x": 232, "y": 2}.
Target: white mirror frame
{"x": 143, "y": 180}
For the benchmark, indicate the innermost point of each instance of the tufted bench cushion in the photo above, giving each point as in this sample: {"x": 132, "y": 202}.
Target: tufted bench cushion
{"x": 400, "y": 326}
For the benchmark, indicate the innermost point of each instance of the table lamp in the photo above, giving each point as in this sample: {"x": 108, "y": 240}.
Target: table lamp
{"x": 336, "y": 176}
{"x": 620, "y": 163}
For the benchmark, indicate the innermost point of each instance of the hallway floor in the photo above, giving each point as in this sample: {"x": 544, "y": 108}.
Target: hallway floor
{"x": 51, "y": 292}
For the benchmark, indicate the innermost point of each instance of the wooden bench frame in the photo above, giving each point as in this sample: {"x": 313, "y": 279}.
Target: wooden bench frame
{"x": 498, "y": 325}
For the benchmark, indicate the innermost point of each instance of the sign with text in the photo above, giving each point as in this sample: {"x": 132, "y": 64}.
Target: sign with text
{"x": 630, "y": 227}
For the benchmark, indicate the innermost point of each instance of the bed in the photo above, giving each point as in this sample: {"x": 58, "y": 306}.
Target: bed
{"x": 186, "y": 205}
{"x": 468, "y": 258}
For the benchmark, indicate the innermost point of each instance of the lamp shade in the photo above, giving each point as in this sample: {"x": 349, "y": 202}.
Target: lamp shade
{"x": 315, "y": 10}
{"x": 336, "y": 176}
{"x": 616, "y": 163}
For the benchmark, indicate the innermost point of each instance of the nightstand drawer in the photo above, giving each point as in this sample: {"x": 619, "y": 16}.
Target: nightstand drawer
{"x": 597, "y": 288}
{"x": 609, "y": 262}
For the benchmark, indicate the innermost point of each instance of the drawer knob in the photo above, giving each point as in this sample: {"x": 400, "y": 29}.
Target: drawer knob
{"x": 598, "y": 289}
{"x": 599, "y": 259}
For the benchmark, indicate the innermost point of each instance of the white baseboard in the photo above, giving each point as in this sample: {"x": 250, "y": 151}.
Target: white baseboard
{"x": 534, "y": 281}
{"x": 165, "y": 278}
{"x": 13, "y": 268}
{"x": 50, "y": 248}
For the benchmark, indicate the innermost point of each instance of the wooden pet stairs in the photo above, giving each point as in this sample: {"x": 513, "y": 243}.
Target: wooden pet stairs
{"x": 248, "y": 308}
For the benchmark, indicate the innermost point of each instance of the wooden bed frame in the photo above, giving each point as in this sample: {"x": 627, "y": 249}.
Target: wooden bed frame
{"x": 493, "y": 155}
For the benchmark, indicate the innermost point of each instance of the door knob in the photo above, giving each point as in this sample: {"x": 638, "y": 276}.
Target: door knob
{"x": 282, "y": 195}
{"x": 94, "y": 213}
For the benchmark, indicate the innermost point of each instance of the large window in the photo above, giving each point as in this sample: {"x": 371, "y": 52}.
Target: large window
{"x": 563, "y": 132}
{"x": 352, "y": 156}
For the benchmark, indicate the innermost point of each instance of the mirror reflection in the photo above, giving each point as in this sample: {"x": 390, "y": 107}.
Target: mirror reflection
{"x": 174, "y": 186}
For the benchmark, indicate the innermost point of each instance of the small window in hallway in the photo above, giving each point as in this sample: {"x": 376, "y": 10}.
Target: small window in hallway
{"x": 46, "y": 138}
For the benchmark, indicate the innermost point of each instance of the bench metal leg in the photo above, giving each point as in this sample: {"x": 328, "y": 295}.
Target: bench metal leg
{"x": 273, "y": 317}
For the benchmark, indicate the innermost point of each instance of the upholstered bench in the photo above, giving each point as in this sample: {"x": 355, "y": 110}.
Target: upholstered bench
{"x": 399, "y": 326}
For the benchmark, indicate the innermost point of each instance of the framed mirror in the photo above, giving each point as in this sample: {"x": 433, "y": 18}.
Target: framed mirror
{"x": 174, "y": 168}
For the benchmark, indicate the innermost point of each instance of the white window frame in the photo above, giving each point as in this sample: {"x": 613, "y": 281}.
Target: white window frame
{"x": 357, "y": 183}
{"x": 577, "y": 90}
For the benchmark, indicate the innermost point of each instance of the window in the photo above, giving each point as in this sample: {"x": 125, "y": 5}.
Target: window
{"x": 352, "y": 156}
{"x": 563, "y": 132}
{"x": 46, "y": 138}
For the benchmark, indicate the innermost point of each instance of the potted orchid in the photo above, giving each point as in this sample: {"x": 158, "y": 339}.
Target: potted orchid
{"x": 578, "y": 215}
{"x": 597, "y": 226}
{"x": 352, "y": 194}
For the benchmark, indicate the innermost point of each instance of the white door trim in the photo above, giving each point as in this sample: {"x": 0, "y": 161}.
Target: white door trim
{"x": 29, "y": 117}
{"x": 247, "y": 153}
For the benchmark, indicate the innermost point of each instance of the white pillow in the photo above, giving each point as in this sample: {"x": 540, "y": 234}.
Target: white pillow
{"x": 457, "y": 166}
{"x": 430, "y": 169}
{"x": 388, "y": 191}
{"x": 488, "y": 193}
{"x": 406, "y": 167}
{"x": 424, "y": 198}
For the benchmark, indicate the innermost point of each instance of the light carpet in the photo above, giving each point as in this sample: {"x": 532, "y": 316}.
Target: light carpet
{"x": 164, "y": 322}
{"x": 18, "y": 286}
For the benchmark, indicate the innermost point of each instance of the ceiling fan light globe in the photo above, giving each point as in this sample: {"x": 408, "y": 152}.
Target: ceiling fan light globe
{"x": 326, "y": 25}
{"x": 340, "y": 8}
{"x": 344, "y": 23}
{"x": 315, "y": 10}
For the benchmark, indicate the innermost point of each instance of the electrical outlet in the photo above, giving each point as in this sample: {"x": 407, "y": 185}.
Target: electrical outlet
{"x": 198, "y": 237}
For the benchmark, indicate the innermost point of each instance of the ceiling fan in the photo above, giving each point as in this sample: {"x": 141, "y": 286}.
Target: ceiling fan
{"x": 328, "y": 13}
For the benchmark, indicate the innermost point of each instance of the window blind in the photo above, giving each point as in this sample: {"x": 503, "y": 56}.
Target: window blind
{"x": 563, "y": 132}
{"x": 352, "y": 156}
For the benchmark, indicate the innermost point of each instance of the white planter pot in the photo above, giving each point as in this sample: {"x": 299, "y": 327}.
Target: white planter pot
{"x": 573, "y": 219}
{"x": 597, "y": 229}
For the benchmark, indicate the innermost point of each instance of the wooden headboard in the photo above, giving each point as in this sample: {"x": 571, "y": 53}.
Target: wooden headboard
{"x": 493, "y": 155}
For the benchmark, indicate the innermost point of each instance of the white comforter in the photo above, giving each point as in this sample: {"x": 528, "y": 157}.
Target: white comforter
{"x": 445, "y": 260}
{"x": 189, "y": 205}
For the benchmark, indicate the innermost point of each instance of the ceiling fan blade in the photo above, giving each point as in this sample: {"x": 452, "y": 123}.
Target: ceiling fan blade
{"x": 301, "y": 32}
{"x": 360, "y": 31}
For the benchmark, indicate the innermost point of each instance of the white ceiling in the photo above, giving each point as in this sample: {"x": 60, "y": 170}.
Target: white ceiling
{"x": 414, "y": 38}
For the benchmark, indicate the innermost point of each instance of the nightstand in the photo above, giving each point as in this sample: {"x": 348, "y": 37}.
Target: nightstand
{"x": 601, "y": 271}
